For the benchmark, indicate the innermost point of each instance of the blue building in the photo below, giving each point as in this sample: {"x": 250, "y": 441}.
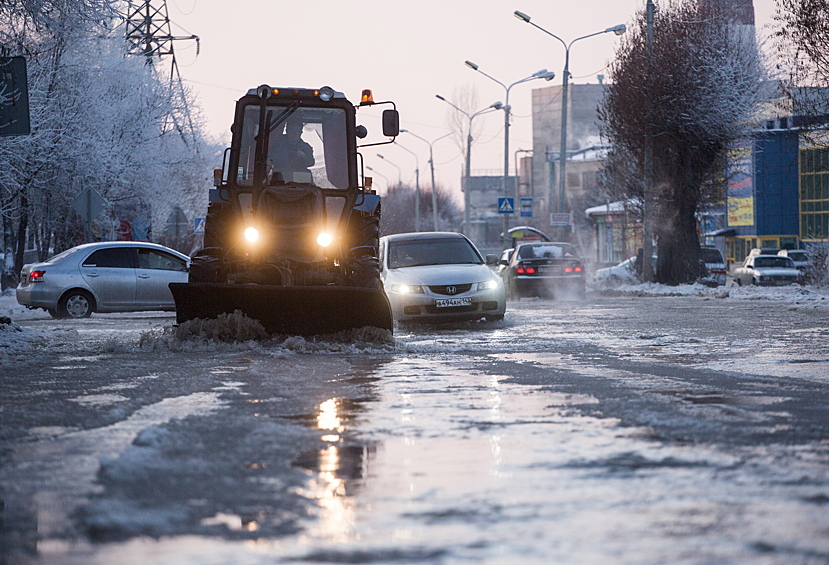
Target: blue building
{"x": 776, "y": 195}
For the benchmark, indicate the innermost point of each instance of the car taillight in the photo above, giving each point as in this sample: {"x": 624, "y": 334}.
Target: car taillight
{"x": 36, "y": 276}
{"x": 525, "y": 269}
{"x": 718, "y": 271}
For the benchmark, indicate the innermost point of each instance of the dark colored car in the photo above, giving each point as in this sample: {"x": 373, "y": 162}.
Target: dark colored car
{"x": 544, "y": 269}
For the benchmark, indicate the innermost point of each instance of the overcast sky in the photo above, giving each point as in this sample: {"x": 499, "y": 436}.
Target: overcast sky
{"x": 404, "y": 51}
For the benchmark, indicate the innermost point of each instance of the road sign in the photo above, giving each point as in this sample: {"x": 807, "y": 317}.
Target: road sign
{"x": 177, "y": 223}
{"x": 526, "y": 207}
{"x": 561, "y": 219}
{"x": 506, "y": 205}
{"x": 198, "y": 225}
{"x": 89, "y": 203}
{"x": 14, "y": 97}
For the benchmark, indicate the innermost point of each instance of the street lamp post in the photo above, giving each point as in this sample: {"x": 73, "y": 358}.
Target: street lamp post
{"x": 399, "y": 171}
{"x": 417, "y": 185}
{"x": 618, "y": 30}
{"x": 432, "y": 166}
{"x": 543, "y": 73}
{"x": 466, "y": 189}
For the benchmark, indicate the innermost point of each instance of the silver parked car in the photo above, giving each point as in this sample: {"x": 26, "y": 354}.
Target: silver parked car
{"x": 439, "y": 276}
{"x": 767, "y": 270}
{"x": 112, "y": 276}
{"x": 716, "y": 271}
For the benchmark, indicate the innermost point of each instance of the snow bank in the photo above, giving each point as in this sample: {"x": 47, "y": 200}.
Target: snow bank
{"x": 791, "y": 294}
{"x": 10, "y": 308}
{"x": 16, "y": 341}
{"x": 237, "y": 331}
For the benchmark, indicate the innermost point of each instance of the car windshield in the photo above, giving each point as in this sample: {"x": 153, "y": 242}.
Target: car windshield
{"x": 307, "y": 146}
{"x": 62, "y": 255}
{"x": 797, "y": 256}
{"x": 546, "y": 250}
{"x": 711, "y": 256}
{"x": 415, "y": 253}
{"x": 773, "y": 262}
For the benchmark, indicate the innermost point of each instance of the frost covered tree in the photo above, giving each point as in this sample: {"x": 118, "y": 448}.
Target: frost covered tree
{"x": 804, "y": 49}
{"x": 686, "y": 95}
{"x": 102, "y": 119}
{"x": 399, "y": 203}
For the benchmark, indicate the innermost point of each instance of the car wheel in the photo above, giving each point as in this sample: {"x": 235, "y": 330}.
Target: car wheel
{"x": 739, "y": 282}
{"x": 54, "y": 313}
{"x": 76, "y": 304}
{"x": 495, "y": 318}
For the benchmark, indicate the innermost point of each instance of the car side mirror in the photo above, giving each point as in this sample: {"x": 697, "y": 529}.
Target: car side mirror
{"x": 492, "y": 259}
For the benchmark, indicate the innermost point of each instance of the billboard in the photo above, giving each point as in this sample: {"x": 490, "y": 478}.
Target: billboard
{"x": 14, "y": 97}
{"x": 740, "y": 185}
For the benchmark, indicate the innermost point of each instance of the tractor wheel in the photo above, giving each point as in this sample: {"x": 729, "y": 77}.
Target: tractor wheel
{"x": 364, "y": 268}
{"x": 365, "y": 272}
{"x": 76, "y": 304}
{"x": 217, "y": 225}
{"x": 205, "y": 267}
{"x": 366, "y": 230}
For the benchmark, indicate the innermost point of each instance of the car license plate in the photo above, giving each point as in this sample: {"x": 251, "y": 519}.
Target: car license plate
{"x": 444, "y": 302}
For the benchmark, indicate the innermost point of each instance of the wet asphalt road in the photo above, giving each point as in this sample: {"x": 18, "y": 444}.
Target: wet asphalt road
{"x": 609, "y": 430}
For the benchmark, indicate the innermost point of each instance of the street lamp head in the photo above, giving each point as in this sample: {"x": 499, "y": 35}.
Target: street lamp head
{"x": 521, "y": 16}
{"x": 545, "y": 74}
{"x": 618, "y": 30}
{"x": 404, "y": 131}
{"x": 439, "y": 97}
{"x": 381, "y": 156}
{"x": 471, "y": 65}
{"x": 496, "y": 105}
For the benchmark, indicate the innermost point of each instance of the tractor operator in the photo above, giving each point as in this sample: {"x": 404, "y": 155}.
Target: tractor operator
{"x": 290, "y": 153}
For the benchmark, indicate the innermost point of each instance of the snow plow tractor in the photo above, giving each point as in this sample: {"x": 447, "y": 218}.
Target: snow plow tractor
{"x": 292, "y": 226}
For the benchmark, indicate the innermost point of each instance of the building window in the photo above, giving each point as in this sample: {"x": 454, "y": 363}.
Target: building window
{"x": 814, "y": 193}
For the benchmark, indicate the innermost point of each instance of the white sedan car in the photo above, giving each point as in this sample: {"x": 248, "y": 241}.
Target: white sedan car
{"x": 439, "y": 276}
{"x": 767, "y": 270}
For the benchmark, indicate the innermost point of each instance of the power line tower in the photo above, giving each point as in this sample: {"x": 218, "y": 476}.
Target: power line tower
{"x": 149, "y": 34}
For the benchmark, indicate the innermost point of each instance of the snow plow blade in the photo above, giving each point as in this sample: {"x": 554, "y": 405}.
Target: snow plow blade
{"x": 293, "y": 310}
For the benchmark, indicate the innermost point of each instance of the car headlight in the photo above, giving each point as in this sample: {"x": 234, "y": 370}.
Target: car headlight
{"x": 489, "y": 285}
{"x": 407, "y": 288}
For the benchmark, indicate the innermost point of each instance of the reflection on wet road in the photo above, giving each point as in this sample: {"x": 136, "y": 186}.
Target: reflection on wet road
{"x": 618, "y": 431}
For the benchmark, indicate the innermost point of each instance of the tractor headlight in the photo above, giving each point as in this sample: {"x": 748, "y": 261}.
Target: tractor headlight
{"x": 252, "y": 234}
{"x": 324, "y": 239}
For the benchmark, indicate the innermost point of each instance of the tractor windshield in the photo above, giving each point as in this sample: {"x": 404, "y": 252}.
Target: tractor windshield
{"x": 306, "y": 145}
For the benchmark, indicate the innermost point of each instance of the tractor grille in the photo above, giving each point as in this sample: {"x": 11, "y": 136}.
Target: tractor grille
{"x": 451, "y": 289}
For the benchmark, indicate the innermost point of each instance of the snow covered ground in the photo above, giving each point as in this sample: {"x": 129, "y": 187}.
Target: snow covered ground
{"x": 16, "y": 339}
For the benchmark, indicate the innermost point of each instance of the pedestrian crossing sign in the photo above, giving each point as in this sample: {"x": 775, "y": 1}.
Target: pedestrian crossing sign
{"x": 506, "y": 205}
{"x": 198, "y": 225}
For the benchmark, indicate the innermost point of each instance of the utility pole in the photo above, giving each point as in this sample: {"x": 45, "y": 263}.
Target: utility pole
{"x": 647, "y": 197}
{"x": 148, "y": 31}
